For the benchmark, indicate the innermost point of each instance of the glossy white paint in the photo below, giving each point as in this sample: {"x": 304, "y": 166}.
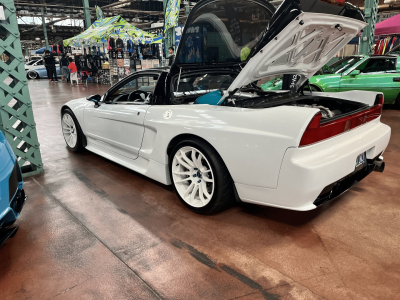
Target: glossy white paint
{"x": 300, "y": 49}
{"x": 259, "y": 147}
{"x": 118, "y": 128}
{"x": 307, "y": 171}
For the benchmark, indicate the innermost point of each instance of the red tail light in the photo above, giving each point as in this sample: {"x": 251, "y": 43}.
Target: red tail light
{"x": 335, "y": 2}
{"x": 317, "y": 132}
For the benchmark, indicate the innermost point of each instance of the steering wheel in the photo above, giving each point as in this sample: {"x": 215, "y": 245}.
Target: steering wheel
{"x": 138, "y": 96}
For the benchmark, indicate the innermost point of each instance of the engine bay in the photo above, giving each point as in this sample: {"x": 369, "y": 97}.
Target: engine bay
{"x": 330, "y": 108}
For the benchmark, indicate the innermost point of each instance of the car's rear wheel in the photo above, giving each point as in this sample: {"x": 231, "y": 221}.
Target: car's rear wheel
{"x": 71, "y": 131}
{"x": 200, "y": 177}
{"x": 32, "y": 75}
{"x": 397, "y": 102}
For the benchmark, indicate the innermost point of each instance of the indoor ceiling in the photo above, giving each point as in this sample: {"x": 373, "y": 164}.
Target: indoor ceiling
{"x": 141, "y": 13}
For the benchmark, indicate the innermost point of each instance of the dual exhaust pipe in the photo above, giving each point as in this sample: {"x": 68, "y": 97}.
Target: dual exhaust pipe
{"x": 379, "y": 165}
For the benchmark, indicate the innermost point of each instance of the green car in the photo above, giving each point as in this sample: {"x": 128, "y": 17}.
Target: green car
{"x": 380, "y": 73}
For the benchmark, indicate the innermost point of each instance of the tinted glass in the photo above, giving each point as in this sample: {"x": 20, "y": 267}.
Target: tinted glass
{"x": 378, "y": 65}
{"x": 145, "y": 84}
{"x": 344, "y": 64}
{"x": 223, "y": 31}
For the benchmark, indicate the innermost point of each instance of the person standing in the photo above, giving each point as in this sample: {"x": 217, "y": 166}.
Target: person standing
{"x": 171, "y": 56}
{"x": 45, "y": 65}
{"x": 64, "y": 67}
{"x": 51, "y": 64}
{"x": 74, "y": 70}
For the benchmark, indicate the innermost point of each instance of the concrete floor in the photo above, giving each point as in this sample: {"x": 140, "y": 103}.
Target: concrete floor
{"x": 92, "y": 229}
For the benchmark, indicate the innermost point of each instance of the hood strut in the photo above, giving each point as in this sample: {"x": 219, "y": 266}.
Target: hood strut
{"x": 179, "y": 79}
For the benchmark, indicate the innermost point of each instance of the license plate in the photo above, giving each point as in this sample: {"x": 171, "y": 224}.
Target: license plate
{"x": 361, "y": 160}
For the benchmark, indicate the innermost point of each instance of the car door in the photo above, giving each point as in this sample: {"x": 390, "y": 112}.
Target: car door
{"x": 376, "y": 74}
{"x": 116, "y": 125}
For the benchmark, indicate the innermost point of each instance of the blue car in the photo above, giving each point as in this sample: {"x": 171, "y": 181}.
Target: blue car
{"x": 12, "y": 194}
{"x": 37, "y": 70}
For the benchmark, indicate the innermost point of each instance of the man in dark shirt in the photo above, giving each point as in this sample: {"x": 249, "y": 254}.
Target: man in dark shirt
{"x": 171, "y": 56}
{"x": 51, "y": 65}
{"x": 64, "y": 67}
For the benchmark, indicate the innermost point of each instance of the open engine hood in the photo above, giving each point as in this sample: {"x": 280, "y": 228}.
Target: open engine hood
{"x": 303, "y": 47}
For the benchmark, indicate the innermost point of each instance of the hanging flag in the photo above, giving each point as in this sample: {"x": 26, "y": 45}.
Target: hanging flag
{"x": 172, "y": 14}
{"x": 99, "y": 13}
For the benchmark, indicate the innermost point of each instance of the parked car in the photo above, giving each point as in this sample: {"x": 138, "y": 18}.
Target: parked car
{"x": 37, "y": 70}
{"x": 12, "y": 195}
{"x": 379, "y": 73}
{"x": 288, "y": 150}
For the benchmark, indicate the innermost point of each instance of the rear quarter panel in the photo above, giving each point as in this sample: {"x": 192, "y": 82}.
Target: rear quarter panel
{"x": 252, "y": 143}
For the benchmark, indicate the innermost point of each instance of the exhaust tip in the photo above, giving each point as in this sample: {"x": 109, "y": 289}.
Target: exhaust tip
{"x": 379, "y": 166}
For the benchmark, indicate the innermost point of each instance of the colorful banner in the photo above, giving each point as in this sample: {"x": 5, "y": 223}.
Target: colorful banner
{"x": 172, "y": 14}
{"x": 99, "y": 13}
{"x": 115, "y": 27}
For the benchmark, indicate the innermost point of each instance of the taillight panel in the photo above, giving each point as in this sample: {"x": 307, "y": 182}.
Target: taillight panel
{"x": 317, "y": 132}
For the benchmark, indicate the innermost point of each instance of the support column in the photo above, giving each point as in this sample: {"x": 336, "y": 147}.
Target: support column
{"x": 16, "y": 115}
{"x": 86, "y": 12}
{"x": 367, "y": 37}
{"x": 169, "y": 34}
{"x": 46, "y": 39}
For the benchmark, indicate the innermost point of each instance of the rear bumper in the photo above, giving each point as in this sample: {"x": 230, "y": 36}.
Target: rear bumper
{"x": 307, "y": 171}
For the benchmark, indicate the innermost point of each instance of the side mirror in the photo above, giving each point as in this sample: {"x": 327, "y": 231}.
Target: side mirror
{"x": 94, "y": 98}
{"x": 355, "y": 73}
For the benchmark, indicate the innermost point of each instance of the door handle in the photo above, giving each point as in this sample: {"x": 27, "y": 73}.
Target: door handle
{"x": 138, "y": 113}
{"x": 396, "y": 79}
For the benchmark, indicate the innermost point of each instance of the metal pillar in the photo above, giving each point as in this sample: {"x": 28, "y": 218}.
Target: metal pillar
{"x": 86, "y": 12}
{"x": 16, "y": 115}
{"x": 46, "y": 40}
{"x": 367, "y": 37}
{"x": 169, "y": 34}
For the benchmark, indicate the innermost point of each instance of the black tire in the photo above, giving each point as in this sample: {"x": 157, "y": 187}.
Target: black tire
{"x": 79, "y": 147}
{"x": 313, "y": 88}
{"x": 32, "y": 75}
{"x": 397, "y": 103}
{"x": 223, "y": 194}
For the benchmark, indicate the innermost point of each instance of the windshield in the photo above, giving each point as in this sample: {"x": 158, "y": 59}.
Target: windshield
{"x": 223, "y": 31}
{"x": 344, "y": 64}
{"x": 31, "y": 62}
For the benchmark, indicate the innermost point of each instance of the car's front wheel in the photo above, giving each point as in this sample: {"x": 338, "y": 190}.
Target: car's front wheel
{"x": 71, "y": 131}
{"x": 200, "y": 177}
{"x": 32, "y": 75}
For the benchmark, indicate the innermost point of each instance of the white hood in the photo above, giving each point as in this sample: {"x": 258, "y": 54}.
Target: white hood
{"x": 303, "y": 47}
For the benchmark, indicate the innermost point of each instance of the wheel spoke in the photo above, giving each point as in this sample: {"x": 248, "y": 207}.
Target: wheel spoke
{"x": 190, "y": 188}
{"x": 198, "y": 161}
{"x": 183, "y": 180}
{"x": 194, "y": 192}
{"x": 206, "y": 179}
{"x": 181, "y": 173}
{"x": 183, "y": 163}
{"x": 205, "y": 192}
{"x": 201, "y": 194}
{"x": 187, "y": 160}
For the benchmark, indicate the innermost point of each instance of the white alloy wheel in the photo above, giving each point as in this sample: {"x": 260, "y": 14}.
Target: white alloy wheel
{"x": 69, "y": 130}
{"x": 193, "y": 177}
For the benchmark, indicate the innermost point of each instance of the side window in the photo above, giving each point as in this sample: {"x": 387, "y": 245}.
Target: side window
{"x": 138, "y": 90}
{"x": 39, "y": 63}
{"x": 378, "y": 65}
{"x": 192, "y": 87}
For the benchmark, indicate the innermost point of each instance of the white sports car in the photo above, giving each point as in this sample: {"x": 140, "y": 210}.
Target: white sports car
{"x": 288, "y": 149}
